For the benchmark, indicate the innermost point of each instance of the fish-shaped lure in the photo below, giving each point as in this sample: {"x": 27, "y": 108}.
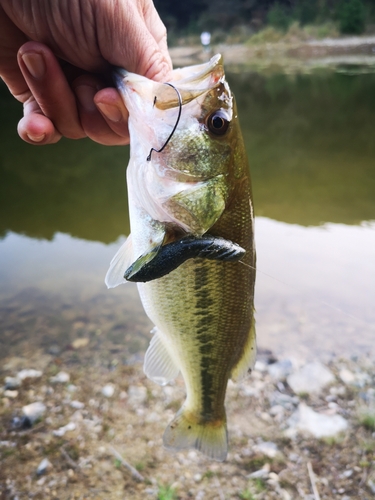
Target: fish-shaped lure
{"x": 191, "y": 247}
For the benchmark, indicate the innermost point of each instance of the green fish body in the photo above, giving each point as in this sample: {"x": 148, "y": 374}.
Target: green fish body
{"x": 194, "y": 194}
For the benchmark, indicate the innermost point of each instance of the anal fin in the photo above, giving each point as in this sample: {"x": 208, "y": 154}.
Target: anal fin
{"x": 159, "y": 365}
{"x": 247, "y": 362}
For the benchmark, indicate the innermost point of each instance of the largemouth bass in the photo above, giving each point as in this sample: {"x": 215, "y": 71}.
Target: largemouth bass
{"x": 191, "y": 247}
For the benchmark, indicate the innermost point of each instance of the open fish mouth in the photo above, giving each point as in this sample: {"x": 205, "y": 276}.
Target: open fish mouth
{"x": 191, "y": 83}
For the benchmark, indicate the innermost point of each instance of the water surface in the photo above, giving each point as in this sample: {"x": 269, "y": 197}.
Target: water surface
{"x": 312, "y": 153}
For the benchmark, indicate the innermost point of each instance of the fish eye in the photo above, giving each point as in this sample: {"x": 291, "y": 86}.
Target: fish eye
{"x": 217, "y": 123}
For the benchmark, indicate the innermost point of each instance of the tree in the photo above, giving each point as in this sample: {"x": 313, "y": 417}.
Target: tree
{"x": 351, "y": 14}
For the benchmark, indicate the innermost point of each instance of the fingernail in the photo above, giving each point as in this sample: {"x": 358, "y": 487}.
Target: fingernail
{"x": 36, "y": 138}
{"x": 109, "y": 111}
{"x": 85, "y": 94}
{"x": 34, "y": 62}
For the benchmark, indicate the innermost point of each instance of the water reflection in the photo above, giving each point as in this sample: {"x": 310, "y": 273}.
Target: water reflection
{"x": 311, "y": 149}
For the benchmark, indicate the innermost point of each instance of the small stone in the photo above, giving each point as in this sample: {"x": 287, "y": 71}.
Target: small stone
{"x": 54, "y": 349}
{"x": 293, "y": 457}
{"x": 260, "y": 366}
{"x": 80, "y": 342}
{"x": 277, "y": 411}
{"x": 43, "y": 467}
{"x": 71, "y": 388}
{"x": 137, "y": 394}
{"x": 62, "y": 430}
{"x": 269, "y": 449}
{"x": 34, "y": 411}
{"x": 347, "y": 376}
{"x": 284, "y": 400}
{"x": 77, "y": 405}
{"x": 261, "y": 473}
{"x": 197, "y": 478}
{"x": 12, "y": 383}
{"x": 281, "y": 369}
{"x": 306, "y": 420}
{"x": 60, "y": 378}
{"x": 108, "y": 390}
{"x": 313, "y": 377}
{"x": 25, "y": 374}
{"x": 371, "y": 485}
{"x": 7, "y": 444}
{"x": 347, "y": 473}
{"x": 11, "y": 394}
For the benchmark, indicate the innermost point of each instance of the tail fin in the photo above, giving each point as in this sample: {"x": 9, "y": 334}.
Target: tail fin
{"x": 210, "y": 438}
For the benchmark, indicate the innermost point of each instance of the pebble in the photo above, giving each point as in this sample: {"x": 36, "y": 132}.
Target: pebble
{"x": 371, "y": 485}
{"x": 277, "y": 398}
{"x": 79, "y": 343}
{"x": 60, "y": 378}
{"x": 25, "y": 374}
{"x": 260, "y": 366}
{"x": 108, "y": 390}
{"x": 281, "y": 369}
{"x": 11, "y": 383}
{"x": 77, "y": 405}
{"x": 261, "y": 473}
{"x": 347, "y": 376}
{"x": 306, "y": 420}
{"x": 43, "y": 467}
{"x": 311, "y": 378}
{"x": 137, "y": 394}
{"x": 268, "y": 449}
{"x": 10, "y": 394}
{"x": 62, "y": 430}
{"x": 34, "y": 411}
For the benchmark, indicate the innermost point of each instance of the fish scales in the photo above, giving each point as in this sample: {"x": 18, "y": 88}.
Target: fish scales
{"x": 202, "y": 309}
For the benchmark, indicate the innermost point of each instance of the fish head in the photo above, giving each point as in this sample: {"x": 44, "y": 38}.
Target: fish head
{"x": 183, "y": 138}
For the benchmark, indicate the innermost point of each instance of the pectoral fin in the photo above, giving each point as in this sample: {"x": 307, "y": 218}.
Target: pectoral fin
{"x": 121, "y": 261}
{"x": 159, "y": 365}
{"x": 166, "y": 258}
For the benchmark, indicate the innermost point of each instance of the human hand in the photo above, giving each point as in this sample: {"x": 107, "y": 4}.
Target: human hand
{"x": 56, "y": 58}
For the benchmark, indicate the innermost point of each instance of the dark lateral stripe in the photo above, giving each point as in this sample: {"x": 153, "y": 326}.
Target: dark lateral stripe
{"x": 172, "y": 255}
{"x": 204, "y": 319}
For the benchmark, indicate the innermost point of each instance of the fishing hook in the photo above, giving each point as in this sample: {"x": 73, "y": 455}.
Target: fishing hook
{"x": 174, "y": 128}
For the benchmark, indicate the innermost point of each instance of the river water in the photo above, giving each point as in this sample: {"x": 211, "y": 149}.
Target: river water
{"x": 311, "y": 147}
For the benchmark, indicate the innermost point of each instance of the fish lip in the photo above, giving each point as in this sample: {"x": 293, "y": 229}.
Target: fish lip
{"x": 202, "y": 71}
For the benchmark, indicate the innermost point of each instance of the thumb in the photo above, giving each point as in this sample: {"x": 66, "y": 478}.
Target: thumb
{"x": 132, "y": 36}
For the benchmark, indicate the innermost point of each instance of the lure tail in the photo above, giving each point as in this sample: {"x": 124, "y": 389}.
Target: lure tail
{"x": 210, "y": 438}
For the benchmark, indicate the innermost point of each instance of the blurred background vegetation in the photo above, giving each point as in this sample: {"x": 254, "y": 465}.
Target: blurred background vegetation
{"x": 235, "y": 21}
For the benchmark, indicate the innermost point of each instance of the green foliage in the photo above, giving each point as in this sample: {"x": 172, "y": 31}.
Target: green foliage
{"x": 327, "y": 29}
{"x": 367, "y": 419}
{"x": 279, "y": 17}
{"x": 268, "y": 35}
{"x": 166, "y": 492}
{"x": 306, "y": 11}
{"x": 351, "y": 16}
{"x": 247, "y": 495}
{"x": 186, "y": 18}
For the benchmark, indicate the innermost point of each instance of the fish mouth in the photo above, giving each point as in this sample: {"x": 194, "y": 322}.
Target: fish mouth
{"x": 191, "y": 82}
